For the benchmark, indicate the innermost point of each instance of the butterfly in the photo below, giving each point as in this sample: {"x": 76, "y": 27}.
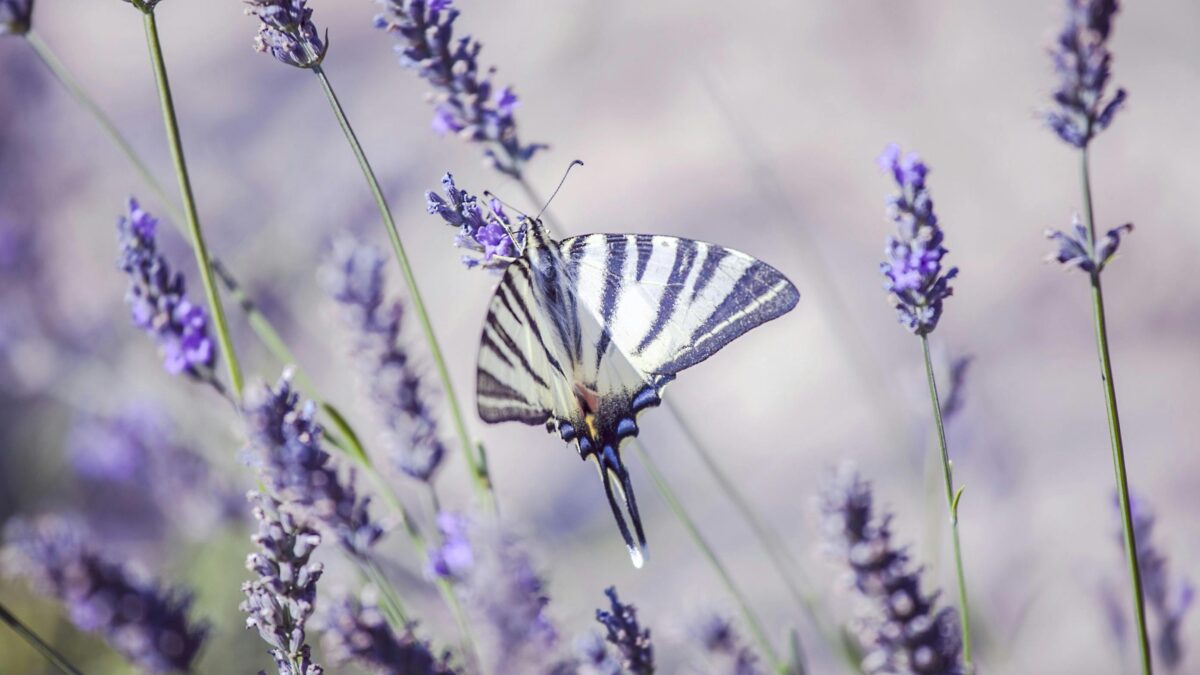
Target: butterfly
{"x": 583, "y": 334}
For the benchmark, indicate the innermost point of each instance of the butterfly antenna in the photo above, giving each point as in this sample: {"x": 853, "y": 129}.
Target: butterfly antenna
{"x": 566, "y": 173}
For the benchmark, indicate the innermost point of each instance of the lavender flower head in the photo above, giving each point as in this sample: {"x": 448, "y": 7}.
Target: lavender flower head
{"x": 357, "y": 632}
{"x": 905, "y": 633}
{"x": 353, "y": 276}
{"x": 913, "y": 268}
{"x": 1075, "y": 248}
{"x": 287, "y": 32}
{"x": 720, "y": 639}
{"x": 280, "y": 600}
{"x": 15, "y": 16}
{"x": 453, "y": 559}
{"x": 300, "y": 472}
{"x": 158, "y": 302}
{"x": 144, "y": 622}
{"x": 591, "y": 657}
{"x": 626, "y": 634}
{"x": 466, "y": 102}
{"x": 484, "y": 230}
{"x": 1169, "y": 601}
{"x": 1082, "y": 62}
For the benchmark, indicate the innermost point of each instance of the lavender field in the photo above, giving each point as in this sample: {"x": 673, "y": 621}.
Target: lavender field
{"x": 266, "y": 274}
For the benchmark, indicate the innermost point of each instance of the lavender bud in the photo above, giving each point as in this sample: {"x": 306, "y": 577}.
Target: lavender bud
{"x": 299, "y": 471}
{"x": 483, "y": 230}
{"x": 905, "y": 632}
{"x": 287, "y": 32}
{"x": 719, "y": 639}
{"x": 466, "y": 103}
{"x": 453, "y": 559}
{"x": 591, "y": 657}
{"x": 1075, "y": 247}
{"x": 357, "y": 633}
{"x": 913, "y": 268}
{"x": 624, "y": 632}
{"x": 15, "y": 16}
{"x": 280, "y": 601}
{"x": 1082, "y": 62}
{"x": 158, "y": 301}
{"x": 353, "y": 276}
{"x": 144, "y": 622}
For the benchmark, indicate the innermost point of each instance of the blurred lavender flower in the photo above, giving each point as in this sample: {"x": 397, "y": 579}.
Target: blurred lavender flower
{"x": 353, "y": 276}
{"x": 1169, "y": 602}
{"x": 718, "y": 637}
{"x": 913, "y": 267}
{"x": 955, "y": 398}
{"x": 15, "y": 16}
{"x": 299, "y": 471}
{"x": 280, "y": 600}
{"x": 1082, "y": 62}
{"x": 157, "y": 299}
{"x": 624, "y": 632}
{"x": 591, "y": 658}
{"x": 905, "y": 634}
{"x": 358, "y": 633}
{"x": 485, "y": 231}
{"x": 145, "y": 623}
{"x": 453, "y": 559}
{"x": 1075, "y": 248}
{"x": 465, "y": 103}
{"x": 287, "y": 32}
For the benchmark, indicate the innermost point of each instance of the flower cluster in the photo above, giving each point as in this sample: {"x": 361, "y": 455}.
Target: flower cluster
{"x": 300, "y": 472}
{"x": 624, "y": 632}
{"x": 913, "y": 268}
{"x": 145, "y": 623}
{"x": 354, "y": 632}
{"x": 280, "y": 600}
{"x": 158, "y": 301}
{"x": 452, "y": 559}
{"x": 287, "y": 32}
{"x": 1169, "y": 602}
{"x": 718, "y": 637}
{"x": 905, "y": 633}
{"x": 487, "y": 231}
{"x": 15, "y": 16}
{"x": 353, "y": 276}
{"x": 1082, "y": 62}
{"x": 466, "y": 102}
{"x": 1076, "y": 248}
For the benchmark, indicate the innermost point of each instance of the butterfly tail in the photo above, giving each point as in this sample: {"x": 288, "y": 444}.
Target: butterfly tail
{"x": 619, "y": 489}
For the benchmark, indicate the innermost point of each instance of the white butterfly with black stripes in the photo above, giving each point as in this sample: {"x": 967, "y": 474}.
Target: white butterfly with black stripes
{"x": 583, "y": 334}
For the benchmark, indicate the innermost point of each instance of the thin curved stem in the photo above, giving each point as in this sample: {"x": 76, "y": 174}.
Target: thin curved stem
{"x": 34, "y": 640}
{"x": 189, "y": 203}
{"x": 480, "y": 479}
{"x": 1114, "y": 432}
{"x": 952, "y": 498}
{"x": 752, "y": 620}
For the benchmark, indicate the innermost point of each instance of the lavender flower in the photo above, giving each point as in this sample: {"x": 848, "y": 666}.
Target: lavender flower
{"x": 591, "y": 656}
{"x": 913, "y": 267}
{"x": 482, "y": 230}
{"x": 624, "y": 632}
{"x": 466, "y": 103}
{"x": 1082, "y": 62}
{"x": 905, "y": 633}
{"x": 718, "y": 637}
{"x": 287, "y": 32}
{"x": 1075, "y": 248}
{"x": 353, "y": 275}
{"x": 158, "y": 301}
{"x": 453, "y": 559}
{"x": 357, "y": 633}
{"x": 280, "y": 600}
{"x": 1169, "y": 601}
{"x": 144, "y": 622}
{"x": 15, "y": 16}
{"x": 299, "y": 471}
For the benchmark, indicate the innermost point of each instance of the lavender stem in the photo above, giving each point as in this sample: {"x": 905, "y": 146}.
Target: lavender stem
{"x": 1114, "y": 429}
{"x": 50, "y": 653}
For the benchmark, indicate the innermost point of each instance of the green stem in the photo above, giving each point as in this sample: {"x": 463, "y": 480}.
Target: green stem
{"x": 952, "y": 505}
{"x": 480, "y": 479}
{"x": 50, "y": 653}
{"x": 189, "y": 203}
{"x": 1114, "y": 432}
{"x": 752, "y": 621}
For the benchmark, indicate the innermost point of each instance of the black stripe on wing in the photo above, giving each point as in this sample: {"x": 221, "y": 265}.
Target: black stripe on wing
{"x": 614, "y": 265}
{"x": 685, "y": 256}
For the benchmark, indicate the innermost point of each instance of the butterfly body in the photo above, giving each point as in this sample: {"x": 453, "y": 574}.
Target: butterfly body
{"x": 583, "y": 334}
